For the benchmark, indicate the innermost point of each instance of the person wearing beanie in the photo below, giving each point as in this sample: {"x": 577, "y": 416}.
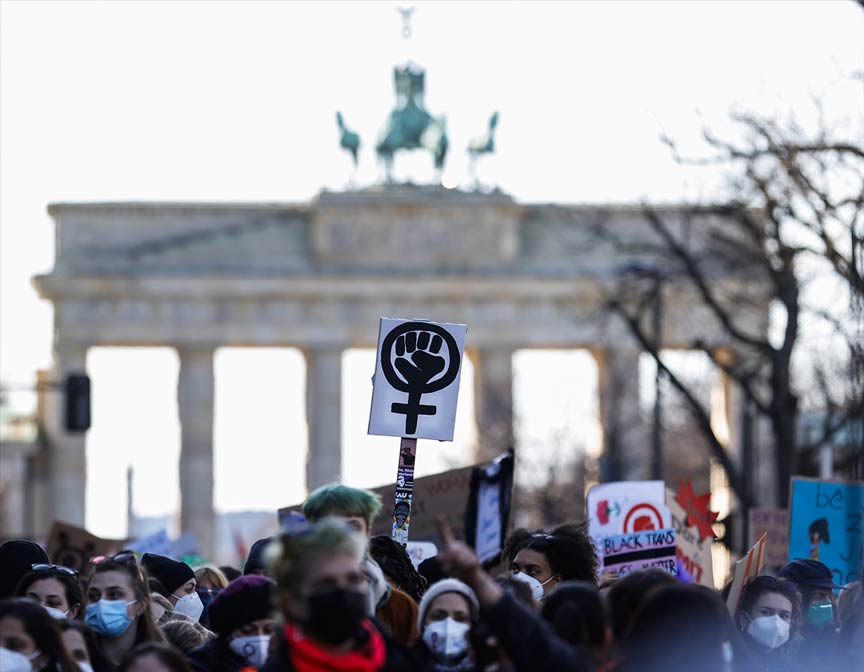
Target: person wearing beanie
{"x": 242, "y": 618}
{"x": 176, "y": 583}
{"x": 255, "y": 563}
{"x": 17, "y": 557}
{"x": 444, "y": 618}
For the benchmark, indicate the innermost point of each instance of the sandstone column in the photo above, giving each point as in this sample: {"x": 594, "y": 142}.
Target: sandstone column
{"x": 195, "y": 391}
{"x": 626, "y": 452}
{"x": 324, "y": 415}
{"x": 493, "y": 400}
{"x": 67, "y": 476}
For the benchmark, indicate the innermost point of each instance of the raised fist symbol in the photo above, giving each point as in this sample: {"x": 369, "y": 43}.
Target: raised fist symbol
{"x": 422, "y": 362}
{"x": 420, "y": 367}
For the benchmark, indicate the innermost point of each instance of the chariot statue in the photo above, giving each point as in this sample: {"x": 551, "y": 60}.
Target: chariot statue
{"x": 410, "y": 126}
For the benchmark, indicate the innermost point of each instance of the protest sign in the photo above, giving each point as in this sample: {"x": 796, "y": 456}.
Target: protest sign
{"x": 416, "y": 383}
{"x": 157, "y": 544}
{"x": 419, "y": 551}
{"x": 774, "y": 523}
{"x": 444, "y": 494}
{"x": 73, "y": 546}
{"x": 746, "y": 569}
{"x": 623, "y": 507}
{"x": 488, "y": 511}
{"x": 625, "y": 553}
{"x": 694, "y": 549}
{"x": 826, "y": 523}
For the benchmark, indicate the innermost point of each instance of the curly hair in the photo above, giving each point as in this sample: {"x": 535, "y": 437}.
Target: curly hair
{"x": 397, "y": 566}
{"x": 567, "y": 549}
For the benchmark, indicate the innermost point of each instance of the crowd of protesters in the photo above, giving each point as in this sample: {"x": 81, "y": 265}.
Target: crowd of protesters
{"x": 326, "y": 595}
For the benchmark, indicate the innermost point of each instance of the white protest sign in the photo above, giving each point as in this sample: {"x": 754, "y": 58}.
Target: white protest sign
{"x": 419, "y": 551}
{"x": 694, "y": 548}
{"x": 488, "y": 534}
{"x": 416, "y": 384}
{"x": 623, "y": 507}
{"x": 625, "y": 553}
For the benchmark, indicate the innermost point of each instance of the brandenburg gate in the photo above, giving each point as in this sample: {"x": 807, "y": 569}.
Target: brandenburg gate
{"x": 318, "y": 276}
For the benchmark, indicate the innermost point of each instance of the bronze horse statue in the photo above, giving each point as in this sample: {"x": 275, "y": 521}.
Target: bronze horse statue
{"x": 410, "y": 126}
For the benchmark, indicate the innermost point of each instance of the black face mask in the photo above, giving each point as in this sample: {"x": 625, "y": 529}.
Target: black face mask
{"x": 336, "y": 616}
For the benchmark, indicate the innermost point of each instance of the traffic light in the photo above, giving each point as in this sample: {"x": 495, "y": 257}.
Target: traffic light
{"x": 77, "y": 402}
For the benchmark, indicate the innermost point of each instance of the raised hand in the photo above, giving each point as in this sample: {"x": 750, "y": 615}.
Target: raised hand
{"x": 417, "y": 357}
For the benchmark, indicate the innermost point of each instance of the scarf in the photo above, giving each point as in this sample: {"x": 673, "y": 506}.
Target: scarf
{"x": 309, "y": 657}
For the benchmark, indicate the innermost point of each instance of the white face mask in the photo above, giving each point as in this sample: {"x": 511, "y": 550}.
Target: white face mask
{"x": 252, "y": 649}
{"x": 447, "y": 639}
{"x": 534, "y": 584}
{"x": 770, "y": 631}
{"x": 12, "y": 661}
{"x": 55, "y": 612}
{"x": 85, "y": 667}
{"x": 189, "y": 605}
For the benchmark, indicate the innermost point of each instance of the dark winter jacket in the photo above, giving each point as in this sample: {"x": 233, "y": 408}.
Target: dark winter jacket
{"x": 529, "y": 641}
{"x": 215, "y": 656}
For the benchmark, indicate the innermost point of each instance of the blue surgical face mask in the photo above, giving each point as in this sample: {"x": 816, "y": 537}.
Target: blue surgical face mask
{"x": 820, "y": 614}
{"x": 109, "y": 617}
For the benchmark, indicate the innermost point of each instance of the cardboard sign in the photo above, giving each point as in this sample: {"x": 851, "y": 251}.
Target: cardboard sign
{"x": 444, "y": 494}
{"x": 693, "y": 551}
{"x": 774, "y": 523}
{"x": 625, "y": 553}
{"x": 624, "y": 507}
{"x": 826, "y": 523}
{"x": 158, "y": 544}
{"x": 487, "y": 514}
{"x": 416, "y": 383}
{"x": 73, "y": 546}
{"x": 746, "y": 569}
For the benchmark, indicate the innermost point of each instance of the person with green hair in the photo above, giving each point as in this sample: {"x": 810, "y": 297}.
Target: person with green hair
{"x": 322, "y": 597}
{"x": 357, "y": 507}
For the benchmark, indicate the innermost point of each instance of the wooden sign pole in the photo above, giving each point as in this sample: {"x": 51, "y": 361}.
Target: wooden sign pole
{"x": 404, "y": 490}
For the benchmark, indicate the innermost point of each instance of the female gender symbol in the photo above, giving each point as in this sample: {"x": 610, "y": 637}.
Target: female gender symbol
{"x": 417, "y": 345}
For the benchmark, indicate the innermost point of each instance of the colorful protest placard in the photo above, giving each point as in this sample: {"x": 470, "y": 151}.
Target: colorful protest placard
{"x": 746, "y": 569}
{"x": 774, "y": 523}
{"x": 826, "y": 523}
{"x": 416, "y": 383}
{"x": 694, "y": 549}
{"x": 624, "y": 507}
{"x": 73, "y": 546}
{"x": 625, "y": 553}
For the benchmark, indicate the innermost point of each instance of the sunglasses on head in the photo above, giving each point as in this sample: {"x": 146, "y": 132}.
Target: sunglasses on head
{"x": 60, "y": 569}
{"x": 122, "y": 558}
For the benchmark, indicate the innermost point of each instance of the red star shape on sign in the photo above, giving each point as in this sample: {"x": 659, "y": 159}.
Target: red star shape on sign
{"x": 696, "y": 508}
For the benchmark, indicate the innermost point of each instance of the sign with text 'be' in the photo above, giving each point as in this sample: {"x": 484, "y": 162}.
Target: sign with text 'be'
{"x": 416, "y": 384}
{"x": 826, "y": 523}
{"x": 625, "y": 553}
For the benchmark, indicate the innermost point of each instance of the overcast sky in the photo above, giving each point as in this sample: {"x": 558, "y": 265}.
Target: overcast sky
{"x": 235, "y": 101}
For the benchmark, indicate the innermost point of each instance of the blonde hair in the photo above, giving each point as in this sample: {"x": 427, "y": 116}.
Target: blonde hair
{"x": 212, "y": 575}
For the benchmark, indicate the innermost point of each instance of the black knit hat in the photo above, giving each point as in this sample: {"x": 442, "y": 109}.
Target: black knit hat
{"x": 16, "y": 558}
{"x": 242, "y": 601}
{"x": 171, "y": 574}
{"x": 256, "y": 556}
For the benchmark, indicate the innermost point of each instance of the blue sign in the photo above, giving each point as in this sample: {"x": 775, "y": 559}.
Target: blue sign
{"x": 826, "y": 523}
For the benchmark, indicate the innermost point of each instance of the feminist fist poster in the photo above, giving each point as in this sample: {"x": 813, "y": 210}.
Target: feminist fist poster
{"x": 416, "y": 383}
